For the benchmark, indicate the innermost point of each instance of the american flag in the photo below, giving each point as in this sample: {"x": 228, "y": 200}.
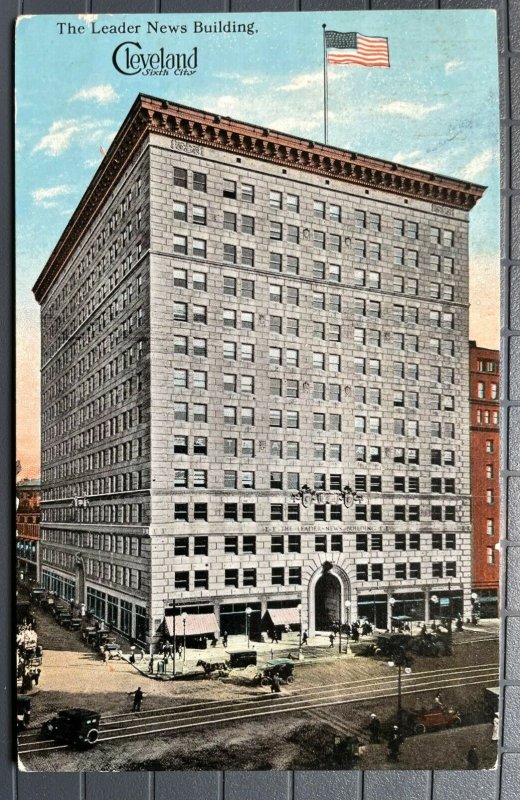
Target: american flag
{"x": 362, "y": 51}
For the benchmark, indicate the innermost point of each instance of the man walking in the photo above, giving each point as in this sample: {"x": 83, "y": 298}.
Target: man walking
{"x": 374, "y": 727}
{"x": 138, "y": 696}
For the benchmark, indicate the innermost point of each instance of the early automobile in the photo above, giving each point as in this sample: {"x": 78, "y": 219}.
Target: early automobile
{"x": 73, "y": 726}
{"x": 281, "y": 667}
{"x": 432, "y": 720}
{"x": 23, "y": 712}
{"x": 242, "y": 658}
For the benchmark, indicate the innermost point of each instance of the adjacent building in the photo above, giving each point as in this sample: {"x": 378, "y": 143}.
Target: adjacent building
{"x": 28, "y": 494}
{"x": 255, "y": 383}
{"x": 485, "y": 476}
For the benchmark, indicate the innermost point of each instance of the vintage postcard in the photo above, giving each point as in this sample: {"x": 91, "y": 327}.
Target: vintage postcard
{"x": 257, "y": 391}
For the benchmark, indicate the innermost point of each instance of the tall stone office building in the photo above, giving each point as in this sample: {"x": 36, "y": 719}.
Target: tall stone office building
{"x": 240, "y": 329}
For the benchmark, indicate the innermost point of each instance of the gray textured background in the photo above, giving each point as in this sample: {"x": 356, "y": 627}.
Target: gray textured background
{"x": 392, "y": 785}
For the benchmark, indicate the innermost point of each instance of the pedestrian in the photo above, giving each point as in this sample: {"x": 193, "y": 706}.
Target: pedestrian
{"x": 106, "y": 656}
{"x": 276, "y": 638}
{"x": 142, "y": 654}
{"x": 138, "y": 696}
{"x": 275, "y": 685}
{"x": 331, "y": 640}
{"x": 305, "y": 637}
{"x": 150, "y": 665}
{"x": 394, "y": 744}
{"x": 224, "y": 639}
{"x": 355, "y": 633}
{"x": 472, "y": 758}
{"x": 438, "y": 702}
{"x": 374, "y": 727}
{"x": 496, "y": 728}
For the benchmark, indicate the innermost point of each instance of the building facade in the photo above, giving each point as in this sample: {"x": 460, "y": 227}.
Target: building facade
{"x": 28, "y": 493}
{"x": 485, "y": 475}
{"x": 240, "y": 330}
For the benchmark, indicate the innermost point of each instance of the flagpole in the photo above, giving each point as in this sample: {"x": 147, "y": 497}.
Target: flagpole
{"x": 325, "y": 87}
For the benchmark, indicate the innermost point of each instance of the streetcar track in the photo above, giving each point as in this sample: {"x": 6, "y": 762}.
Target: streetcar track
{"x": 245, "y": 717}
{"x": 207, "y": 704}
{"x": 288, "y": 705}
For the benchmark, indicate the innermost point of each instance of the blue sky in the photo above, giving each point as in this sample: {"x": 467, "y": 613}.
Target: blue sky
{"x": 436, "y": 108}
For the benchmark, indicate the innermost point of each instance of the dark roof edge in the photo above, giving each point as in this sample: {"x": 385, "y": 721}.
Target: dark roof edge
{"x": 154, "y": 115}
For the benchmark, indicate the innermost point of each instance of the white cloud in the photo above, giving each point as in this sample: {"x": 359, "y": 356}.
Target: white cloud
{"x": 404, "y": 108}
{"x": 63, "y": 132}
{"x": 88, "y": 17}
{"x": 245, "y": 80}
{"x": 306, "y": 80}
{"x": 451, "y": 66}
{"x": 407, "y": 158}
{"x": 58, "y": 137}
{"x": 478, "y": 165}
{"x": 45, "y": 197}
{"x": 102, "y": 94}
{"x": 92, "y": 162}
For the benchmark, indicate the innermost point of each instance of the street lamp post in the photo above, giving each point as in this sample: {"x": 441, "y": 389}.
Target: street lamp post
{"x": 475, "y": 606}
{"x": 401, "y": 660}
{"x": 184, "y": 617}
{"x": 434, "y": 600}
{"x": 299, "y": 607}
{"x": 248, "y": 624}
{"x": 392, "y": 602}
{"x": 174, "y": 607}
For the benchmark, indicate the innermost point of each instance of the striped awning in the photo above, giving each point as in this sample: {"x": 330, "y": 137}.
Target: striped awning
{"x": 284, "y": 616}
{"x": 196, "y": 625}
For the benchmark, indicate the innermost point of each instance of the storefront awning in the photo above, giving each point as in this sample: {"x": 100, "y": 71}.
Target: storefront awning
{"x": 284, "y": 616}
{"x": 196, "y": 625}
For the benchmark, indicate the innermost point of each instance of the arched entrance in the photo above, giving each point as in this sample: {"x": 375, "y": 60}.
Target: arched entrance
{"x": 327, "y": 601}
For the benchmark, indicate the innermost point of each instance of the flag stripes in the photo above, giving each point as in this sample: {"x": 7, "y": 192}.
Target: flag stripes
{"x": 365, "y": 51}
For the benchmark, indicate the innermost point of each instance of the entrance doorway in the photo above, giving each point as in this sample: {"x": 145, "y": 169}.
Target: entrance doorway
{"x": 327, "y": 602}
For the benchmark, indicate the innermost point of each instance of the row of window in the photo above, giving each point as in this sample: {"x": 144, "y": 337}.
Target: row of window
{"x": 292, "y": 576}
{"x": 123, "y": 576}
{"x": 321, "y": 209}
{"x": 492, "y": 392}
{"x": 109, "y": 542}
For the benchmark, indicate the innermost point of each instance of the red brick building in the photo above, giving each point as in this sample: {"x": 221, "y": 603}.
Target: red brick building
{"x": 28, "y": 493}
{"x": 485, "y": 470}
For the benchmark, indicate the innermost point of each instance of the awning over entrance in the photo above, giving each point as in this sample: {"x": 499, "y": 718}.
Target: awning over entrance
{"x": 196, "y": 625}
{"x": 283, "y": 616}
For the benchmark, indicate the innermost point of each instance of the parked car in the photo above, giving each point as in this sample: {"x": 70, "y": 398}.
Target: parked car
{"x": 112, "y": 648}
{"x": 242, "y": 658}
{"x": 432, "y": 720}
{"x": 282, "y": 667}
{"x": 73, "y": 726}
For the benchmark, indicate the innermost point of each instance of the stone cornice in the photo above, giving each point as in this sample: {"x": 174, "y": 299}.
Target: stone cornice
{"x": 153, "y": 115}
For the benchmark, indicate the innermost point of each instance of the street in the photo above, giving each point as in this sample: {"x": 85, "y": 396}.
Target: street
{"x": 214, "y": 724}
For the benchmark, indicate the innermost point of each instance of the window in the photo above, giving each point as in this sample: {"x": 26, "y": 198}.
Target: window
{"x": 248, "y": 193}
{"x": 362, "y": 572}
{"x": 249, "y": 576}
{"x": 182, "y": 580}
{"x": 377, "y": 572}
{"x": 292, "y": 202}
{"x": 230, "y": 254}
{"x": 231, "y": 578}
{"x": 231, "y": 511}
{"x": 199, "y": 181}
{"x": 180, "y": 211}
{"x": 199, "y": 215}
{"x": 400, "y": 571}
{"x": 335, "y": 212}
{"x": 319, "y": 239}
{"x": 275, "y": 293}
{"x": 275, "y": 199}
{"x": 230, "y": 221}
{"x": 229, "y": 189}
{"x": 180, "y": 245}
{"x": 181, "y": 478}
{"x": 180, "y": 177}
{"x": 293, "y": 418}
{"x": 277, "y": 576}
{"x": 318, "y": 209}
{"x": 230, "y": 285}
{"x": 200, "y": 512}
{"x": 295, "y": 575}
{"x": 276, "y": 231}
{"x": 490, "y": 527}
{"x": 181, "y": 514}
{"x": 249, "y": 545}
{"x": 199, "y": 281}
